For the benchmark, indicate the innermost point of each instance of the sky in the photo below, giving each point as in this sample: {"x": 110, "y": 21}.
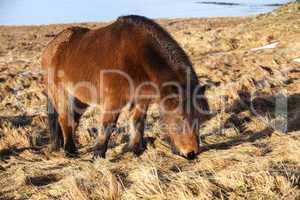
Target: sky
{"x": 26, "y": 12}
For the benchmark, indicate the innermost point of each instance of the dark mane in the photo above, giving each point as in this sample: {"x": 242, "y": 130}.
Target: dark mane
{"x": 170, "y": 49}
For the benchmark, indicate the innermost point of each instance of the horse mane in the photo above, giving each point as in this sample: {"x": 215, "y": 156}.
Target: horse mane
{"x": 177, "y": 59}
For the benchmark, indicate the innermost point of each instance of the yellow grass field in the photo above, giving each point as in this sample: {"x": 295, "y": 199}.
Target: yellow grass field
{"x": 247, "y": 152}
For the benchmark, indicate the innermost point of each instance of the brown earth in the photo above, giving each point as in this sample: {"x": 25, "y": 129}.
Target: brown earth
{"x": 247, "y": 151}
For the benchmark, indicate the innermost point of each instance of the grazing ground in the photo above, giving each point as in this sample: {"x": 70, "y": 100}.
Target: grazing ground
{"x": 250, "y": 148}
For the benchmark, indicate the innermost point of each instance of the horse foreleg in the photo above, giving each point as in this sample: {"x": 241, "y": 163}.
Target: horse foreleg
{"x": 108, "y": 122}
{"x": 136, "y": 129}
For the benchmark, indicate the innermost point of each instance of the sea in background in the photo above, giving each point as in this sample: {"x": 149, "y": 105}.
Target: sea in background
{"x": 27, "y": 12}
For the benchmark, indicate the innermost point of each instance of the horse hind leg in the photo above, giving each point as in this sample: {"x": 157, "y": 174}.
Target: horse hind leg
{"x": 69, "y": 120}
{"x": 78, "y": 108}
{"x": 61, "y": 115}
{"x": 56, "y": 136}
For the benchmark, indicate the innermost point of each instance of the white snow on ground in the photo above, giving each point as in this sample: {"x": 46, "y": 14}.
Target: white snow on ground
{"x": 269, "y": 46}
{"x": 297, "y": 60}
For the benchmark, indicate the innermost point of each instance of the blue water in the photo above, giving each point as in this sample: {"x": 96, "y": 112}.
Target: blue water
{"x": 17, "y": 12}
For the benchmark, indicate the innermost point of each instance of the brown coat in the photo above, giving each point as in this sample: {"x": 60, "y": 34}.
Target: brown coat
{"x": 108, "y": 67}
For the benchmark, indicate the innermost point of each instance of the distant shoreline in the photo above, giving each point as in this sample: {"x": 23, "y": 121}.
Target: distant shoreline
{"x": 238, "y": 4}
{"x": 159, "y": 20}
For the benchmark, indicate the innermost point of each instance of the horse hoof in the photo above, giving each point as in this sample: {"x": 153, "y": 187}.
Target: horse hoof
{"x": 99, "y": 151}
{"x": 73, "y": 154}
{"x": 135, "y": 149}
{"x": 98, "y": 154}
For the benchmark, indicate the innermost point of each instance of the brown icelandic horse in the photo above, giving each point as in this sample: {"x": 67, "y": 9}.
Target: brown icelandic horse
{"x": 136, "y": 58}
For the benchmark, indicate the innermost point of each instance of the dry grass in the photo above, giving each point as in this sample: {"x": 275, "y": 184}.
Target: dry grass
{"x": 245, "y": 153}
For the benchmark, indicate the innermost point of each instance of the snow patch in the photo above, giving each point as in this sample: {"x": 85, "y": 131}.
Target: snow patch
{"x": 269, "y": 46}
{"x": 297, "y": 60}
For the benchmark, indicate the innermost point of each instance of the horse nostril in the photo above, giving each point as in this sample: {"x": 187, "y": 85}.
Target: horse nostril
{"x": 192, "y": 155}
